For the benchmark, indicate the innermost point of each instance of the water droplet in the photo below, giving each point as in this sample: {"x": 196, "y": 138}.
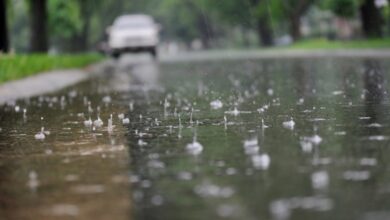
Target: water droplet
{"x": 216, "y": 104}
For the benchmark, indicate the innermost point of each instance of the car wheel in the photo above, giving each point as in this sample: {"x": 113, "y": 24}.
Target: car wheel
{"x": 116, "y": 55}
{"x": 153, "y": 52}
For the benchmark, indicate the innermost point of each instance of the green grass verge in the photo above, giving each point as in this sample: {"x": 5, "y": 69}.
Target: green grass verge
{"x": 352, "y": 44}
{"x": 18, "y": 66}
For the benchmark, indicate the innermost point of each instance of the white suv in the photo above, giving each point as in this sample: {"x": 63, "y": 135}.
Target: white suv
{"x": 133, "y": 33}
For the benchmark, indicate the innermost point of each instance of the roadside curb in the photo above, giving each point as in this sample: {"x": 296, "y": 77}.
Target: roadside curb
{"x": 48, "y": 82}
{"x": 277, "y": 54}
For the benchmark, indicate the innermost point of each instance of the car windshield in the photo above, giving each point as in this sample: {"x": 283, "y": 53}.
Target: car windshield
{"x": 133, "y": 22}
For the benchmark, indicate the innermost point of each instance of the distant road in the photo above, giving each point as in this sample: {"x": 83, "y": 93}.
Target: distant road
{"x": 275, "y": 53}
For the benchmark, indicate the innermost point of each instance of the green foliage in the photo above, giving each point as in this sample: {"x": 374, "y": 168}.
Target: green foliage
{"x": 183, "y": 18}
{"x": 344, "y": 8}
{"x": 17, "y": 66}
{"x": 227, "y": 10}
{"x": 64, "y": 18}
{"x": 322, "y": 43}
{"x": 80, "y": 24}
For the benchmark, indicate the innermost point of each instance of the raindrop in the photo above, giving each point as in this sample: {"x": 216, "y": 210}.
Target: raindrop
{"x": 235, "y": 112}
{"x": 207, "y": 189}
{"x": 261, "y": 161}
{"x": 110, "y": 126}
{"x": 184, "y": 175}
{"x": 270, "y": 92}
{"x": 141, "y": 143}
{"x": 263, "y": 125}
{"x": 306, "y": 145}
{"x": 121, "y": 116}
{"x": 33, "y": 181}
{"x": 131, "y": 106}
{"x": 194, "y": 148}
{"x": 227, "y": 210}
{"x": 88, "y": 123}
{"x": 157, "y": 200}
{"x": 251, "y": 146}
{"x": 65, "y": 210}
{"x": 125, "y": 121}
{"x": 40, "y": 135}
{"x": 90, "y": 110}
{"x": 289, "y": 124}
{"x": 216, "y": 104}
{"x": 24, "y": 114}
{"x": 191, "y": 121}
{"x": 280, "y": 210}
{"x": 356, "y": 175}
{"x": 98, "y": 122}
{"x": 368, "y": 162}
{"x": 106, "y": 99}
{"x": 231, "y": 171}
{"x": 320, "y": 180}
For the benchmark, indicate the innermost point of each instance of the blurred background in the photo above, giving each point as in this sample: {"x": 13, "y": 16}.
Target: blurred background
{"x": 67, "y": 26}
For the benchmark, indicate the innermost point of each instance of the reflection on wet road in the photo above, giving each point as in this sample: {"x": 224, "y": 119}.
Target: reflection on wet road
{"x": 223, "y": 139}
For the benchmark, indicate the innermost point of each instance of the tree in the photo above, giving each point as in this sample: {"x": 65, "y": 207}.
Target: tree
{"x": 371, "y": 19}
{"x": 64, "y": 23}
{"x": 203, "y": 21}
{"x": 294, "y": 10}
{"x": 253, "y": 14}
{"x": 4, "y": 47}
{"x": 88, "y": 9}
{"x": 370, "y": 14}
{"x": 185, "y": 20}
{"x": 38, "y": 38}
{"x": 262, "y": 22}
{"x": 343, "y": 8}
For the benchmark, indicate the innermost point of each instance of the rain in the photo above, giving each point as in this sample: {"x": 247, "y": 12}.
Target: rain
{"x": 225, "y": 153}
{"x": 194, "y": 109}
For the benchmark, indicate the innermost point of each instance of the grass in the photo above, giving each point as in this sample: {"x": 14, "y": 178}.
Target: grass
{"x": 18, "y": 66}
{"x": 351, "y": 44}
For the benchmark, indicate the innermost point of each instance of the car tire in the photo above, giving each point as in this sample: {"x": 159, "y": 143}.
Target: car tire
{"x": 153, "y": 52}
{"x": 116, "y": 55}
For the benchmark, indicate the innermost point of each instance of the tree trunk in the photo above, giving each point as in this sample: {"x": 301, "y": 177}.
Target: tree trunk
{"x": 86, "y": 15}
{"x": 295, "y": 28}
{"x": 245, "y": 38}
{"x": 38, "y": 38}
{"x": 264, "y": 31}
{"x": 205, "y": 30}
{"x": 202, "y": 24}
{"x": 4, "y": 47}
{"x": 371, "y": 19}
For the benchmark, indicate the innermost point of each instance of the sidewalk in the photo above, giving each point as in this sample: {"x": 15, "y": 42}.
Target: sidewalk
{"x": 46, "y": 82}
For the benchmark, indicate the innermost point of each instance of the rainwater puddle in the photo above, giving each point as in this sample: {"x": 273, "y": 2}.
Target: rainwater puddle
{"x": 245, "y": 139}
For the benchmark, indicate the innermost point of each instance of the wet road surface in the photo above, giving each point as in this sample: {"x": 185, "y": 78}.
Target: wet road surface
{"x": 303, "y": 138}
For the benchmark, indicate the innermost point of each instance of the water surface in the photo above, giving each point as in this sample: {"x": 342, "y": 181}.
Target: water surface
{"x": 206, "y": 140}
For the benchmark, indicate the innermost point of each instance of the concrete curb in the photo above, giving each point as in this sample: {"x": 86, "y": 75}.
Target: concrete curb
{"x": 47, "y": 82}
{"x": 276, "y": 54}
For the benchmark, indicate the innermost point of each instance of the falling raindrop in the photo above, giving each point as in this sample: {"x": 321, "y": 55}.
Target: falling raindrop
{"x": 109, "y": 125}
